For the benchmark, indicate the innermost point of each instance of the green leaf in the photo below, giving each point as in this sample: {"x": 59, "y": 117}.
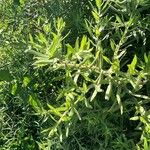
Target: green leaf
{"x": 106, "y": 4}
{"x": 47, "y": 28}
{"x": 85, "y": 88}
{"x": 95, "y": 15}
{"x": 67, "y": 129}
{"x": 145, "y": 58}
{"x": 98, "y": 88}
{"x": 56, "y": 43}
{"x": 54, "y": 110}
{"x": 31, "y": 38}
{"x": 35, "y": 103}
{"x": 60, "y": 134}
{"x": 43, "y": 62}
{"x": 146, "y": 146}
{"x": 42, "y": 39}
{"x": 87, "y": 104}
{"x": 14, "y": 88}
{"x": 26, "y": 81}
{"x": 76, "y": 76}
{"x": 60, "y": 25}
{"x": 97, "y": 32}
{"x": 116, "y": 65}
{"x": 119, "y": 20}
{"x": 131, "y": 21}
{"x": 131, "y": 67}
{"x": 88, "y": 27}
{"x": 108, "y": 91}
{"x": 112, "y": 44}
{"x": 147, "y": 63}
{"x": 22, "y": 2}
{"x": 77, "y": 45}
{"x": 119, "y": 100}
{"x": 70, "y": 50}
{"x": 94, "y": 95}
{"x": 75, "y": 110}
{"x": 83, "y": 45}
{"x": 36, "y": 53}
{"x": 98, "y": 3}
{"x": 135, "y": 118}
{"x": 107, "y": 59}
{"x": 134, "y": 61}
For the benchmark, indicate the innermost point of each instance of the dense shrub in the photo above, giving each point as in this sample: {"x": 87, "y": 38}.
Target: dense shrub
{"x": 74, "y": 74}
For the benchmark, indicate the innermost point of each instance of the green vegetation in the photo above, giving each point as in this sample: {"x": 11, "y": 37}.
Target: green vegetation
{"x": 74, "y": 75}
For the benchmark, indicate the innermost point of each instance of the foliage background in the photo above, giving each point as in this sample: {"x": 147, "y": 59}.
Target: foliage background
{"x": 48, "y": 106}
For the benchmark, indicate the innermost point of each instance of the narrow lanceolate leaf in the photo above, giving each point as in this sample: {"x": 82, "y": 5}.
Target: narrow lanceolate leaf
{"x": 87, "y": 104}
{"x": 26, "y": 81}
{"x": 35, "y": 103}
{"x": 77, "y": 113}
{"x": 145, "y": 58}
{"x": 118, "y": 97}
{"x": 134, "y": 61}
{"x": 131, "y": 67}
{"x": 56, "y": 43}
{"x": 108, "y": 91}
{"x": 89, "y": 27}
{"x": 83, "y": 43}
{"x": 93, "y": 95}
{"x": 135, "y": 118}
{"x": 95, "y": 15}
{"x": 98, "y": 3}
{"x": 42, "y": 38}
{"x": 106, "y": 5}
{"x": 85, "y": 88}
{"x": 146, "y": 144}
{"x": 60, "y": 24}
{"x": 67, "y": 129}
{"x": 98, "y": 88}
{"x": 14, "y": 89}
{"x": 70, "y": 50}
{"x": 112, "y": 44}
{"x": 77, "y": 45}
{"x": 54, "y": 110}
{"x": 76, "y": 76}
{"x": 31, "y": 38}
{"x": 147, "y": 63}
{"x": 36, "y": 53}
{"x": 107, "y": 59}
{"x": 118, "y": 20}
{"x": 116, "y": 65}
{"x": 60, "y": 134}
{"x": 43, "y": 62}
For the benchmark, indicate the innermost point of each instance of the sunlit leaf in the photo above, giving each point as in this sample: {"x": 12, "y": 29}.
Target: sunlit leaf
{"x": 26, "y": 81}
{"x": 14, "y": 88}
{"x": 108, "y": 91}
{"x": 131, "y": 67}
{"x": 93, "y": 95}
{"x": 98, "y": 3}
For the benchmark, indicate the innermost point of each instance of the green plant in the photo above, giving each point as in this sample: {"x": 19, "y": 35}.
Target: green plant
{"x": 88, "y": 87}
{"x": 91, "y": 72}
